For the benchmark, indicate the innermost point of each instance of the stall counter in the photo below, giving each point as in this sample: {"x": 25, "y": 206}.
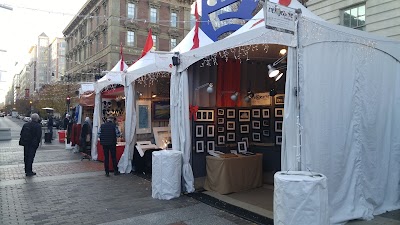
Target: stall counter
{"x": 120, "y": 150}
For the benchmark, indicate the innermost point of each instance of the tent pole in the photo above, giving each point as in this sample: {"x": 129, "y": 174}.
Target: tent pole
{"x": 298, "y": 11}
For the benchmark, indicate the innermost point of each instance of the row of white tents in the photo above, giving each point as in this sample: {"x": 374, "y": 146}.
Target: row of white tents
{"x": 342, "y": 101}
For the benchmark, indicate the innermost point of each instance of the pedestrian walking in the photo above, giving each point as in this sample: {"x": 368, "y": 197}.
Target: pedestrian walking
{"x": 30, "y": 138}
{"x": 108, "y": 134}
{"x": 50, "y": 124}
{"x": 66, "y": 121}
{"x": 86, "y": 135}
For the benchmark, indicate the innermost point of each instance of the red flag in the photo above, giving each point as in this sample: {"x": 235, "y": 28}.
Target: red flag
{"x": 149, "y": 44}
{"x": 122, "y": 59}
{"x": 196, "y": 41}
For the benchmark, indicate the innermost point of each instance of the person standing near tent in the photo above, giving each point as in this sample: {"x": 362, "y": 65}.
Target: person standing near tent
{"x": 30, "y": 137}
{"x": 85, "y": 136}
{"x": 108, "y": 134}
{"x": 66, "y": 121}
{"x": 70, "y": 123}
{"x": 50, "y": 124}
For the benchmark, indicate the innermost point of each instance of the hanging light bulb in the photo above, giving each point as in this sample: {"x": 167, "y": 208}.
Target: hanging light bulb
{"x": 279, "y": 77}
{"x": 210, "y": 88}
{"x": 272, "y": 72}
{"x": 234, "y": 97}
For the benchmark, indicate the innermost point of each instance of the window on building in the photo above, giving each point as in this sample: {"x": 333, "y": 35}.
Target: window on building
{"x": 173, "y": 43}
{"x": 130, "y": 38}
{"x": 131, "y": 11}
{"x": 154, "y": 37}
{"x": 354, "y": 17}
{"x": 174, "y": 19}
{"x": 192, "y": 21}
{"x": 105, "y": 39}
{"x": 153, "y": 15}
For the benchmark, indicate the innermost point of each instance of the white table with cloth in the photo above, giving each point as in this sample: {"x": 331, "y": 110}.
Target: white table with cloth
{"x": 234, "y": 174}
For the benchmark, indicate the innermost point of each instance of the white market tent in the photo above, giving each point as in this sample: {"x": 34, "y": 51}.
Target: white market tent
{"x": 153, "y": 62}
{"x": 344, "y": 120}
{"x": 115, "y": 76}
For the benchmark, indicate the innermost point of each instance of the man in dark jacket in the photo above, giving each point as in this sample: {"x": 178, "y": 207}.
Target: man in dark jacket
{"x": 108, "y": 134}
{"x": 31, "y": 135}
{"x": 85, "y": 138}
{"x": 50, "y": 124}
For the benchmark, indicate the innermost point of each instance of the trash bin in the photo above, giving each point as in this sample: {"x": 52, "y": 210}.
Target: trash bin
{"x": 166, "y": 174}
{"x": 300, "y": 197}
{"x": 61, "y": 136}
{"x": 47, "y": 137}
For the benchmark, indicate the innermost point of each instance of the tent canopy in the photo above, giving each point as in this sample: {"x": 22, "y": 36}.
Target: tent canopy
{"x": 115, "y": 76}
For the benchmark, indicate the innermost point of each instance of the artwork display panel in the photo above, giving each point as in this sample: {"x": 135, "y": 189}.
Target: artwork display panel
{"x": 279, "y": 99}
{"x": 199, "y": 131}
{"x": 205, "y": 115}
{"x": 278, "y": 126}
{"x": 210, "y": 146}
{"x": 221, "y": 112}
{"x": 244, "y": 128}
{"x": 230, "y": 136}
{"x": 246, "y": 139}
{"x": 161, "y": 110}
{"x": 210, "y": 130}
{"x": 244, "y": 115}
{"x": 256, "y": 137}
{"x": 199, "y": 146}
{"x": 143, "y": 117}
{"x": 221, "y": 140}
{"x": 256, "y": 113}
{"x": 278, "y": 112}
{"x": 266, "y": 123}
{"x": 242, "y": 147}
{"x": 220, "y": 120}
{"x": 230, "y": 113}
{"x": 230, "y": 125}
{"x": 221, "y": 129}
{"x": 265, "y": 113}
{"x": 256, "y": 124}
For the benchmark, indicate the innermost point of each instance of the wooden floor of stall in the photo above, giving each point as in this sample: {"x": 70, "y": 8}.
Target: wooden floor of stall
{"x": 258, "y": 200}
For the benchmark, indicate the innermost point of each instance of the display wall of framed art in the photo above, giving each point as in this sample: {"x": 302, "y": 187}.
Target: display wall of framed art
{"x": 279, "y": 99}
{"x": 265, "y": 113}
{"x": 199, "y": 146}
{"x": 230, "y": 113}
{"x": 161, "y": 110}
{"x": 244, "y": 128}
{"x": 199, "y": 131}
{"x": 230, "y": 125}
{"x": 143, "y": 117}
{"x": 278, "y": 112}
{"x": 278, "y": 126}
{"x": 244, "y": 115}
{"x": 210, "y": 130}
{"x": 230, "y": 136}
{"x": 205, "y": 115}
{"x": 256, "y": 113}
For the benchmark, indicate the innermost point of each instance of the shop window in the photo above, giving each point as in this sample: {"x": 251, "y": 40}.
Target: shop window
{"x": 354, "y": 17}
{"x": 153, "y": 15}
{"x": 130, "y": 38}
{"x": 173, "y": 43}
{"x": 154, "y": 37}
{"x": 174, "y": 19}
{"x": 131, "y": 11}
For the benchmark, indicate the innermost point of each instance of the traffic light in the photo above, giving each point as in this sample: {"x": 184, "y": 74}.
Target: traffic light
{"x": 68, "y": 100}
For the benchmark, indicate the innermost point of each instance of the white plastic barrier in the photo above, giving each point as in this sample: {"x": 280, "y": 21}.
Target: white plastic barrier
{"x": 300, "y": 197}
{"x": 166, "y": 174}
{"x": 5, "y": 134}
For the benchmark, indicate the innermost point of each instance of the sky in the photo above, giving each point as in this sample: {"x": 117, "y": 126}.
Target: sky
{"x": 20, "y": 28}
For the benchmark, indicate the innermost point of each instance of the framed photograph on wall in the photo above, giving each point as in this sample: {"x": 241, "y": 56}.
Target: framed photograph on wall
{"x": 210, "y": 146}
{"x": 161, "y": 110}
{"x": 199, "y": 131}
{"x": 278, "y": 126}
{"x": 278, "y": 140}
{"x": 143, "y": 117}
{"x": 244, "y": 128}
{"x": 279, "y": 99}
{"x": 278, "y": 112}
{"x": 242, "y": 147}
{"x": 266, "y": 133}
{"x": 221, "y": 120}
{"x": 210, "y": 130}
{"x": 256, "y": 113}
{"x": 256, "y": 124}
{"x": 230, "y": 136}
{"x": 221, "y": 130}
{"x": 265, "y": 113}
{"x": 205, "y": 115}
{"x": 265, "y": 123}
{"x": 256, "y": 137}
{"x": 246, "y": 139}
{"x": 244, "y": 115}
{"x": 199, "y": 146}
{"x": 230, "y": 125}
{"x": 221, "y": 140}
{"x": 221, "y": 112}
{"x": 230, "y": 113}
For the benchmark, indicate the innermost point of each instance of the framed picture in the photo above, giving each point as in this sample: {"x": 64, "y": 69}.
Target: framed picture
{"x": 265, "y": 113}
{"x": 162, "y": 135}
{"x": 242, "y": 147}
{"x": 244, "y": 115}
{"x": 278, "y": 126}
{"x": 256, "y": 137}
{"x": 230, "y": 136}
{"x": 266, "y": 133}
{"x": 279, "y": 99}
{"x": 278, "y": 112}
{"x": 210, "y": 130}
{"x": 244, "y": 128}
{"x": 143, "y": 117}
{"x": 221, "y": 129}
{"x": 246, "y": 139}
{"x": 230, "y": 125}
{"x": 278, "y": 140}
{"x": 161, "y": 111}
{"x": 230, "y": 113}
{"x": 256, "y": 113}
{"x": 199, "y": 146}
{"x": 266, "y": 123}
{"x": 199, "y": 131}
{"x": 221, "y": 140}
{"x": 221, "y": 120}
{"x": 256, "y": 124}
{"x": 210, "y": 146}
{"x": 205, "y": 115}
{"x": 221, "y": 112}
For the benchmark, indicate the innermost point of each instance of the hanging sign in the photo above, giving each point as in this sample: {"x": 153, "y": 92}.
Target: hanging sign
{"x": 261, "y": 99}
{"x": 279, "y": 18}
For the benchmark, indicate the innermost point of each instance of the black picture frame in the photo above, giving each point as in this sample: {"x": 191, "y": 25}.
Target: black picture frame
{"x": 210, "y": 130}
{"x": 161, "y": 110}
{"x": 256, "y": 113}
{"x": 221, "y": 140}
{"x": 199, "y": 146}
{"x": 220, "y": 112}
{"x": 244, "y": 115}
{"x": 256, "y": 137}
{"x": 244, "y": 128}
{"x": 221, "y": 120}
{"x": 278, "y": 112}
{"x": 265, "y": 113}
{"x": 256, "y": 124}
{"x": 230, "y": 136}
{"x": 199, "y": 131}
{"x": 221, "y": 129}
{"x": 230, "y": 125}
{"x": 210, "y": 146}
{"x": 230, "y": 113}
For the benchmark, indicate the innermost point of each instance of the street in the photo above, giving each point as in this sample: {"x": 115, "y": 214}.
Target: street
{"x": 67, "y": 190}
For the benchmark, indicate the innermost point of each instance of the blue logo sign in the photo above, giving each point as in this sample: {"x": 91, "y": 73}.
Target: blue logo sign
{"x": 225, "y": 16}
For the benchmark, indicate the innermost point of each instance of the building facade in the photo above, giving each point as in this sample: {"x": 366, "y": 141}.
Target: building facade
{"x": 381, "y": 17}
{"x": 57, "y": 59}
{"x": 42, "y": 69}
{"x": 94, "y": 37}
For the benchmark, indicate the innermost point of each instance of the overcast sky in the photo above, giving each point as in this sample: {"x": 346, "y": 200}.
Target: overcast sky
{"x": 21, "y": 27}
